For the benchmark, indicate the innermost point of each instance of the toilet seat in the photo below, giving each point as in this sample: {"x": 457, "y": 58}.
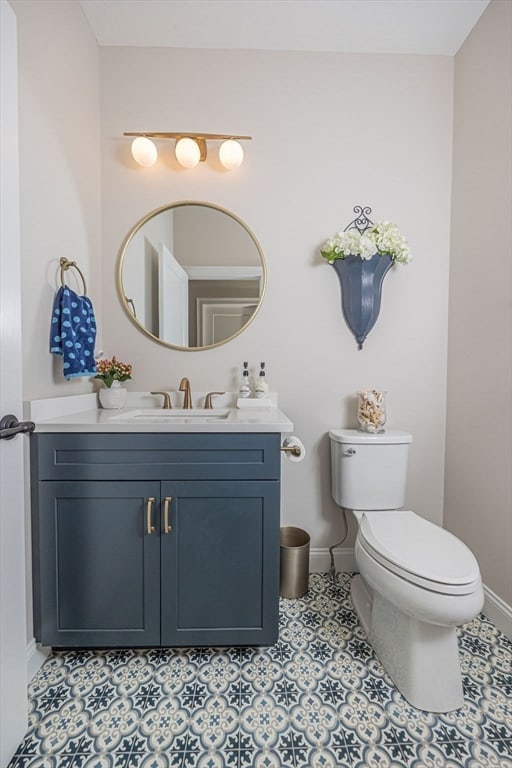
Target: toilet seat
{"x": 419, "y": 551}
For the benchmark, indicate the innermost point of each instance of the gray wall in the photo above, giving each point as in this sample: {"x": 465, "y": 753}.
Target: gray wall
{"x": 478, "y": 496}
{"x": 60, "y": 203}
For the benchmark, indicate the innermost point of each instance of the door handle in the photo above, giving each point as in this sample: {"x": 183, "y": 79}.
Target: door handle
{"x": 150, "y": 528}
{"x": 167, "y": 504}
{"x": 10, "y": 427}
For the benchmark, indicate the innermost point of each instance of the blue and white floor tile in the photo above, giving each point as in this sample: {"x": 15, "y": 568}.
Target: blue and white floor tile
{"x": 317, "y": 699}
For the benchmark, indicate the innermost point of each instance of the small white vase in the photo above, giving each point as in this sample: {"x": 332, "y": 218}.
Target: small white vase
{"x": 114, "y": 396}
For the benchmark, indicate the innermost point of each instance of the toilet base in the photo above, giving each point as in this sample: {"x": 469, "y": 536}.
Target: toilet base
{"x": 422, "y": 659}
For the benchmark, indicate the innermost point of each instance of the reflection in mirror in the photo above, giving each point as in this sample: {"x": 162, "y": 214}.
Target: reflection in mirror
{"x": 191, "y": 275}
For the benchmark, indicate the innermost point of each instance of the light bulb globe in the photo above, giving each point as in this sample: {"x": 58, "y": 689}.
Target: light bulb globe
{"x": 144, "y": 151}
{"x": 231, "y": 154}
{"x": 187, "y": 152}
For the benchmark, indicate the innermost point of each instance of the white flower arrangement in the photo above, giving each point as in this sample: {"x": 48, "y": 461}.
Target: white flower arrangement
{"x": 383, "y": 238}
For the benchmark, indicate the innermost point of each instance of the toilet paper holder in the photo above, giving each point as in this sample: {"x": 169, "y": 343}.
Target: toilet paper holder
{"x": 293, "y": 450}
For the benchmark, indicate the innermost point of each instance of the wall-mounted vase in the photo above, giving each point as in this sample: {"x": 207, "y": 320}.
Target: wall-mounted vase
{"x": 361, "y": 287}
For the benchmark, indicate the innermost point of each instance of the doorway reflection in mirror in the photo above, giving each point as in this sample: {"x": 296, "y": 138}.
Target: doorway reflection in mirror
{"x": 195, "y": 272}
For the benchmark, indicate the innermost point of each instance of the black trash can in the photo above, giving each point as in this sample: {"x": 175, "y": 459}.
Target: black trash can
{"x": 294, "y": 572}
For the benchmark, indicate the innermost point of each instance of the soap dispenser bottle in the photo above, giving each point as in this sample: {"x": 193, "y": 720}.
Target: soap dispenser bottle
{"x": 245, "y": 389}
{"x": 261, "y": 388}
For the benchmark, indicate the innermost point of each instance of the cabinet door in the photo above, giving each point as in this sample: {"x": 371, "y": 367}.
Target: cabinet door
{"x": 99, "y": 566}
{"x": 220, "y": 563}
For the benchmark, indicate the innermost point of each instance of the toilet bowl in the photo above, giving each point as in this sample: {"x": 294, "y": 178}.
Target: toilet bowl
{"x": 411, "y": 598}
{"x": 430, "y": 573}
{"x": 416, "y": 582}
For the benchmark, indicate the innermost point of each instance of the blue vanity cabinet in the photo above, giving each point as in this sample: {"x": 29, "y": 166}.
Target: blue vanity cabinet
{"x": 155, "y": 540}
{"x": 98, "y": 570}
{"x": 220, "y": 563}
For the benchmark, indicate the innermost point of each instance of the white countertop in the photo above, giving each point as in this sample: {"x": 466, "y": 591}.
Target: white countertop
{"x": 77, "y": 413}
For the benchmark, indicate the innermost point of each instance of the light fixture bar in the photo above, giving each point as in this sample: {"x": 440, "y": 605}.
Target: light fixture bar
{"x": 187, "y": 135}
{"x": 190, "y": 149}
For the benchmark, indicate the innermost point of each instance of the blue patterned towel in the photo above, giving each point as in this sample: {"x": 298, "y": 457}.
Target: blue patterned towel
{"x": 73, "y": 332}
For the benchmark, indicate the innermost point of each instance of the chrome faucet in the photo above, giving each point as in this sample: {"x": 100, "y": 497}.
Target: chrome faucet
{"x": 185, "y": 387}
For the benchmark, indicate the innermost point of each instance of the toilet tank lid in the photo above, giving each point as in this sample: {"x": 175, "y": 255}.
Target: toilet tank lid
{"x": 356, "y": 437}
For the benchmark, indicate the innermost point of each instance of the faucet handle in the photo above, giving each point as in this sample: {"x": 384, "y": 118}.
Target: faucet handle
{"x": 167, "y": 399}
{"x": 208, "y": 399}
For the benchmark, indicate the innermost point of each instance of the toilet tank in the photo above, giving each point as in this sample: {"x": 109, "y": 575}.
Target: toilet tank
{"x": 369, "y": 471}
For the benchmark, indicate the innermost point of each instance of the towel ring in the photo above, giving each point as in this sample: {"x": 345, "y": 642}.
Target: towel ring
{"x": 65, "y": 265}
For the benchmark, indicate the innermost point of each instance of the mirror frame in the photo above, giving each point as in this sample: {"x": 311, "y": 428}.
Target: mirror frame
{"x": 119, "y": 276}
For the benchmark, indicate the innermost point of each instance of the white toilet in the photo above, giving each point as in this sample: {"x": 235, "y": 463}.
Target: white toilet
{"x": 416, "y": 581}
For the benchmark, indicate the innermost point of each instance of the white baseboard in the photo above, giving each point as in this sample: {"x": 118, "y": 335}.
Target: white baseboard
{"x": 498, "y": 612}
{"x": 36, "y": 655}
{"x": 320, "y": 561}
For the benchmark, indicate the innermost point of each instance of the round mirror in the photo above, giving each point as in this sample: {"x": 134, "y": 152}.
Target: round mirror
{"x": 191, "y": 275}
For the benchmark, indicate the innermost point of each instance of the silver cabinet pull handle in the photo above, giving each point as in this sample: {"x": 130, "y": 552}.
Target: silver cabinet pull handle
{"x": 150, "y": 528}
{"x": 167, "y": 503}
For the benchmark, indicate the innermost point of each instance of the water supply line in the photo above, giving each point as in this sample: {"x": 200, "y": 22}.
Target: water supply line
{"x": 332, "y": 570}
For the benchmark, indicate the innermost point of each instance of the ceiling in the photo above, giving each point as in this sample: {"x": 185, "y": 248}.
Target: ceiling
{"x": 357, "y": 26}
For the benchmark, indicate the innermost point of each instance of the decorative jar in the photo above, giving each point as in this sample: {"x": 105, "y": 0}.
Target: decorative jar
{"x": 371, "y": 410}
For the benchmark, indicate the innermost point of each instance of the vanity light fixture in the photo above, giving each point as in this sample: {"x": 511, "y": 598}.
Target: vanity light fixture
{"x": 190, "y": 149}
{"x": 144, "y": 151}
{"x": 231, "y": 154}
{"x": 188, "y": 152}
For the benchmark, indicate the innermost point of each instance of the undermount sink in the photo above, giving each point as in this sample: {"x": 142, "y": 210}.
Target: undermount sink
{"x": 174, "y": 415}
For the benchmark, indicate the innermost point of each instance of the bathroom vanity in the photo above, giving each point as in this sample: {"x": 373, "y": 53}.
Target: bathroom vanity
{"x": 156, "y": 535}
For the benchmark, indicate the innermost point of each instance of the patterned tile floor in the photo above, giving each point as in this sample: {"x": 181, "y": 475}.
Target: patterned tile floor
{"x": 317, "y": 699}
